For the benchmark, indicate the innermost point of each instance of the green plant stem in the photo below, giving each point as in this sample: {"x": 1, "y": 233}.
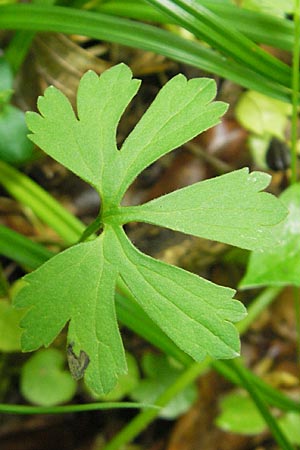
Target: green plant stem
{"x": 24, "y": 409}
{"x": 47, "y": 209}
{"x": 146, "y": 417}
{"x": 91, "y": 229}
{"x": 295, "y": 93}
{"x": 261, "y": 405}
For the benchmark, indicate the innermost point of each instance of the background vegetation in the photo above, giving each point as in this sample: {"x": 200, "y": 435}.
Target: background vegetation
{"x": 252, "y": 51}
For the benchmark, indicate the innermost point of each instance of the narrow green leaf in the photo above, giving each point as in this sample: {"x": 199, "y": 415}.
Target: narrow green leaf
{"x": 17, "y": 247}
{"x": 195, "y": 313}
{"x": 181, "y": 110}
{"x": 229, "y": 209}
{"x": 91, "y": 137}
{"x": 77, "y": 286}
{"x": 43, "y": 204}
{"x": 279, "y": 266}
{"x": 134, "y": 34}
{"x": 261, "y": 27}
{"x": 207, "y": 26}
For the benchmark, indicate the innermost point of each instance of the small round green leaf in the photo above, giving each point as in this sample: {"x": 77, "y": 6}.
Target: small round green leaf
{"x": 44, "y": 381}
{"x": 240, "y": 415}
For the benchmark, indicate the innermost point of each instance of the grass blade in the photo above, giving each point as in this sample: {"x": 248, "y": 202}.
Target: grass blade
{"x": 134, "y": 34}
{"x": 258, "y": 26}
{"x": 21, "y": 249}
{"x": 207, "y": 26}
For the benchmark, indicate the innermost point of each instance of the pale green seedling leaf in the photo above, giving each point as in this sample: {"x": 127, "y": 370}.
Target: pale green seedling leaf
{"x": 239, "y": 414}
{"x": 78, "y": 286}
{"x": 279, "y": 265}
{"x": 229, "y": 209}
{"x": 289, "y": 423}
{"x": 275, "y": 7}
{"x": 85, "y": 145}
{"x": 181, "y": 110}
{"x": 195, "y": 313}
{"x": 262, "y": 115}
{"x": 160, "y": 374}
{"x": 44, "y": 381}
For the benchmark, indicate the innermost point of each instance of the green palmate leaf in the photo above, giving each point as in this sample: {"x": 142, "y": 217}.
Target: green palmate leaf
{"x": 279, "y": 266}
{"x": 77, "y": 286}
{"x": 227, "y": 209}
